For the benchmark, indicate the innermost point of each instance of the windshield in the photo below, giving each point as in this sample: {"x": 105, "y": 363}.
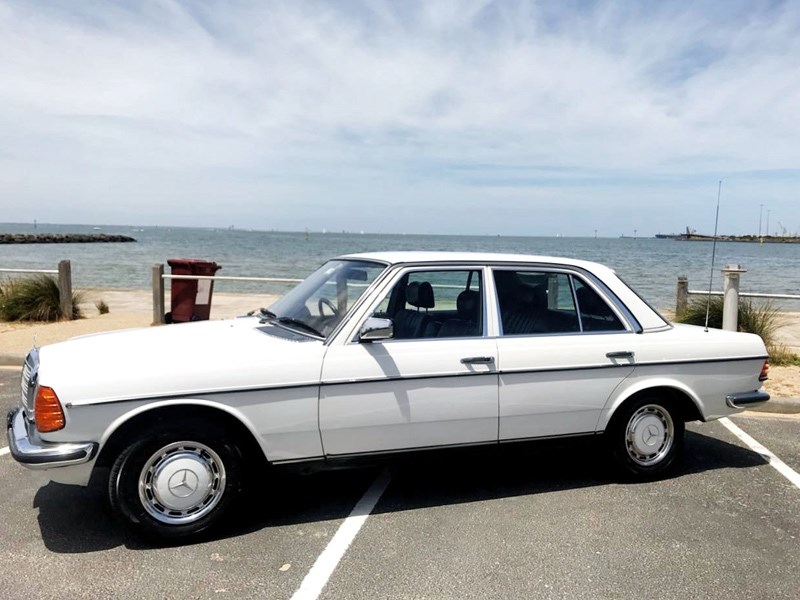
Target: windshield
{"x": 319, "y": 303}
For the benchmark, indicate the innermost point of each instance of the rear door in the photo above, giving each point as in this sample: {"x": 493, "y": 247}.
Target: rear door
{"x": 562, "y": 351}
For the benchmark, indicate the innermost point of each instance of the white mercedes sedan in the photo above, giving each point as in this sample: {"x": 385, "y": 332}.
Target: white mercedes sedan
{"x": 375, "y": 354}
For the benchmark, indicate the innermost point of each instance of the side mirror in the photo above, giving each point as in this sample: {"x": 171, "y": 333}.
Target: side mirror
{"x": 375, "y": 329}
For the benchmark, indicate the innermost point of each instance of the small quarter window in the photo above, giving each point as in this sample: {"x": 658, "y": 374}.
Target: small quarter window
{"x": 596, "y": 314}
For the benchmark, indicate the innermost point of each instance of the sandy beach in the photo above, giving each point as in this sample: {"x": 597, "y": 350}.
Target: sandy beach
{"x": 133, "y": 308}
{"x": 127, "y": 309}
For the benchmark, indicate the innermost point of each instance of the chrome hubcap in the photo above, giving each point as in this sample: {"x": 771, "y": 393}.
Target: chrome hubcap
{"x": 649, "y": 435}
{"x": 181, "y": 482}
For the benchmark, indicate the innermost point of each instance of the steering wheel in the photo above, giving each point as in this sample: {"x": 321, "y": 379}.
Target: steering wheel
{"x": 325, "y": 302}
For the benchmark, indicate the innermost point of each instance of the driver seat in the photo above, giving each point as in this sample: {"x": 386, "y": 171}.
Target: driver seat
{"x": 409, "y": 324}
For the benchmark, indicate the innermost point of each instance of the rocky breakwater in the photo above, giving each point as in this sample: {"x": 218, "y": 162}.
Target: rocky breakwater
{"x": 61, "y": 238}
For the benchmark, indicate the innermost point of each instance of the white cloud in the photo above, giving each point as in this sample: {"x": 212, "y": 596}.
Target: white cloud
{"x": 347, "y": 106}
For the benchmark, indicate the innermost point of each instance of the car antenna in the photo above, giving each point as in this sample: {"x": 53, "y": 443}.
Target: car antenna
{"x": 713, "y": 255}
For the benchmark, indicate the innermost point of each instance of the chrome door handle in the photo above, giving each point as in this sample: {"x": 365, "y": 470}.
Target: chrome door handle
{"x": 477, "y": 360}
{"x": 620, "y": 354}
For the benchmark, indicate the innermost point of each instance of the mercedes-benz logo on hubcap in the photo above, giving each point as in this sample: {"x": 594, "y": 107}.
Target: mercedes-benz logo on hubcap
{"x": 651, "y": 435}
{"x": 183, "y": 483}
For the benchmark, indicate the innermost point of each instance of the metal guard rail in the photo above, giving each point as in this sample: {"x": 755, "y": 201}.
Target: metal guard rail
{"x": 746, "y": 295}
{"x": 231, "y": 278}
{"x": 47, "y": 271}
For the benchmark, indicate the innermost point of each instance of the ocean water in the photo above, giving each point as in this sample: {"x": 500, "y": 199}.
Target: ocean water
{"x": 650, "y": 265}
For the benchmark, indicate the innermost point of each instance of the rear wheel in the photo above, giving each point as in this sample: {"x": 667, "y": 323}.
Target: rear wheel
{"x": 175, "y": 485}
{"x": 646, "y": 436}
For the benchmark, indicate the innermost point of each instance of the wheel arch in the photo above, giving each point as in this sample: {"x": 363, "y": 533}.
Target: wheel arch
{"x": 687, "y": 402}
{"x": 126, "y": 428}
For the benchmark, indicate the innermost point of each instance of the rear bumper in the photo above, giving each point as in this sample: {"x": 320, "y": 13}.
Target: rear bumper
{"x": 34, "y": 453}
{"x": 746, "y": 399}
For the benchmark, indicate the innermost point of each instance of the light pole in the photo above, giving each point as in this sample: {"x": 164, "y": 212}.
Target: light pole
{"x": 760, "y": 213}
{"x": 767, "y": 231}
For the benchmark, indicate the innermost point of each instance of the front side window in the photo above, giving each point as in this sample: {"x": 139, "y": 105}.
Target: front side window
{"x": 318, "y": 304}
{"x": 541, "y": 302}
{"x": 435, "y": 304}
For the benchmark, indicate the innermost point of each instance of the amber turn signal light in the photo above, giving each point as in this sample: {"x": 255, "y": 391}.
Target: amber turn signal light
{"x": 47, "y": 412}
{"x": 764, "y": 372}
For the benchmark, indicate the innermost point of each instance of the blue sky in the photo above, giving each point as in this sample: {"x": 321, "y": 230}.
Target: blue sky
{"x": 473, "y": 117}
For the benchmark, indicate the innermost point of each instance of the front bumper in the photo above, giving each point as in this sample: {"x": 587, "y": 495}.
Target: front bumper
{"x": 746, "y": 399}
{"x": 28, "y": 449}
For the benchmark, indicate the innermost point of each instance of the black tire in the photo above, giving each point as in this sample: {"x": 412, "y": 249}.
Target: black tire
{"x": 646, "y": 437}
{"x": 173, "y": 484}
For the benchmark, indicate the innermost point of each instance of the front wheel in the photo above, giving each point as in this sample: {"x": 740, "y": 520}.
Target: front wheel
{"x": 172, "y": 485}
{"x": 646, "y": 437}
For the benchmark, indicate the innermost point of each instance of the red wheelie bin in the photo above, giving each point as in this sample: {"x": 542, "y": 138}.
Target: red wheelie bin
{"x": 190, "y": 298}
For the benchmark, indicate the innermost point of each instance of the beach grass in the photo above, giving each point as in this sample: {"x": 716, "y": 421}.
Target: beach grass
{"x": 34, "y": 298}
{"x": 762, "y": 318}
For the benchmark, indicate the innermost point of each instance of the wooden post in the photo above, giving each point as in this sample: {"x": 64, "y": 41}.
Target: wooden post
{"x": 682, "y": 295}
{"x": 158, "y": 294}
{"x": 65, "y": 289}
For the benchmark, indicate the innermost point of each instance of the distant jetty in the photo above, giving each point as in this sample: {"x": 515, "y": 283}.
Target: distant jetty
{"x": 690, "y": 235}
{"x": 62, "y": 238}
{"x": 764, "y": 239}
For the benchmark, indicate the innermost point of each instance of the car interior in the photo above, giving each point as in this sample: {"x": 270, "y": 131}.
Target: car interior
{"x": 418, "y": 313}
{"x": 447, "y": 304}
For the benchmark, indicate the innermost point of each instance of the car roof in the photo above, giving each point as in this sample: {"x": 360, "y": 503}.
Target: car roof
{"x": 401, "y": 257}
{"x": 648, "y": 317}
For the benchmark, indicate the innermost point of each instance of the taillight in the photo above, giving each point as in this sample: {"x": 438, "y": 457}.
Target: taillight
{"x": 47, "y": 412}
{"x": 764, "y": 371}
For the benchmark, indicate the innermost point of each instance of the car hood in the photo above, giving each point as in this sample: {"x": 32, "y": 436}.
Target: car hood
{"x": 178, "y": 360}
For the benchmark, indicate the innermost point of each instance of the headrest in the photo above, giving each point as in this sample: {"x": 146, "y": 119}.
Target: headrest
{"x": 420, "y": 294}
{"x": 535, "y": 296}
{"x": 467, "y": 304}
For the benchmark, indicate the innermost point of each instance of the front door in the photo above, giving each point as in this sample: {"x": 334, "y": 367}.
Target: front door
{"x": 433, "y": 384}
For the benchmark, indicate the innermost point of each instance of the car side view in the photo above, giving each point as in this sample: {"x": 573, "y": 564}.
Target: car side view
{"x": 374, "y": 354}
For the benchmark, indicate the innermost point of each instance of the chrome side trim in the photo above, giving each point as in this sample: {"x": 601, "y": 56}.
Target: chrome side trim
{"x": 194, "y": 394}
{"x": 36, "y": 454}
{"x": 745, "y": 399}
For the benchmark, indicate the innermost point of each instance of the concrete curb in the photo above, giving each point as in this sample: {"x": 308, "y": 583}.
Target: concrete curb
{"x": 781, "y": 406}
{"x": 11, "y": 360}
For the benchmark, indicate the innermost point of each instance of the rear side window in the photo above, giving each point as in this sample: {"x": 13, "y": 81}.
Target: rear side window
{"x": 540, "y": 302}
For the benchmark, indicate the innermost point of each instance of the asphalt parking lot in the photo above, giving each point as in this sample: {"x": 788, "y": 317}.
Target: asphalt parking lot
{"x": 536, "y": 521}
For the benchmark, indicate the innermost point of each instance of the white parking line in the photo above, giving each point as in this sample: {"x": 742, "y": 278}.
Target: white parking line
{"x": 4, "y": 451}
{"x": 773, "y": 460}
{"x": 325, "y": 564}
